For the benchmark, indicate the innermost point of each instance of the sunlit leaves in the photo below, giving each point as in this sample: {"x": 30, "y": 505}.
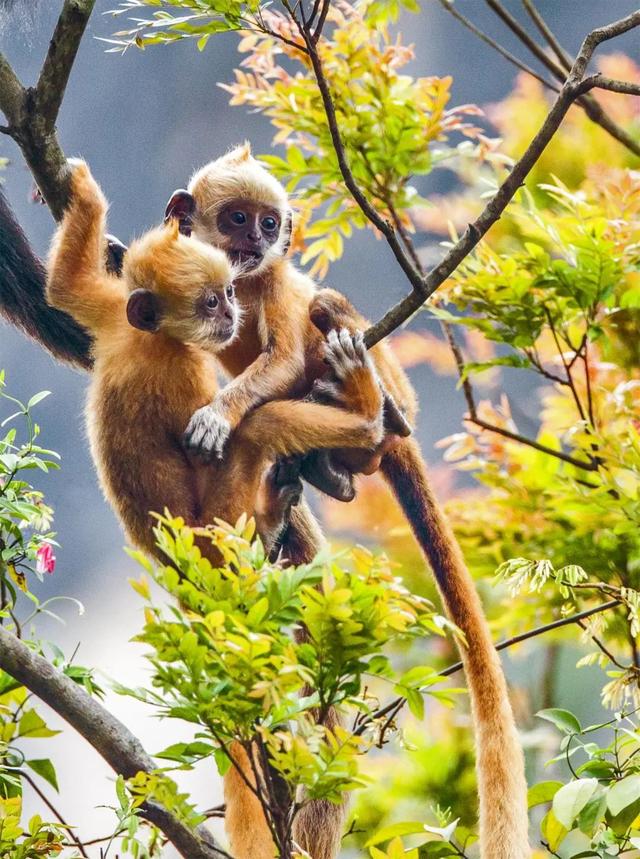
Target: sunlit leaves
{"x": 228, "y": 661}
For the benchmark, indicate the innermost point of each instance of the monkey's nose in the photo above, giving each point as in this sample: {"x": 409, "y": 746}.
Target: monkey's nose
{"x": 228, "y": 314}
{"x": 253, "y": 236}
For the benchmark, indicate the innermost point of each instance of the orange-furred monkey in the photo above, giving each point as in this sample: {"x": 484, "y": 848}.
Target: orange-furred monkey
{"x": 235, "y": 204}
{"x": 155, "y": 333}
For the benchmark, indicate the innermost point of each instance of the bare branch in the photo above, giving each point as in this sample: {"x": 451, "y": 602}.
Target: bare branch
{"x": 511, "y": 58}
{"x": 601, "y": 82}
{"x": 109, "y": 737}
{"x": 398, "y": 703}
{"x": 564, "y": 58}
{"x": 590, "y": 106}
{"x": 32, "y": 113}
{"x": 45, "y": 799}
{"x": 12, "y": 94}
{"x": 58, "y": 63}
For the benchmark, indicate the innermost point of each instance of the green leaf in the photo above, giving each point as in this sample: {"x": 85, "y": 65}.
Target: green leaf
{"x": 542, "y": 792}
{"x": 569, "y": 801}
{"x": 564, "y": 720}
{"x": 395, "y": 830}
{"x": 33, "y": 725}
{"x": 37, "y": 398}
{"x": 415, "y": 702}
{"x": 45, "y": 769}
{"x": 623, "y": 793}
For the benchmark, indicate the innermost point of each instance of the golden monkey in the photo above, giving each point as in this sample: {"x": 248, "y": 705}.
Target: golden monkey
{"x": 155, "y": 333}
{"x": 235, "y": 204}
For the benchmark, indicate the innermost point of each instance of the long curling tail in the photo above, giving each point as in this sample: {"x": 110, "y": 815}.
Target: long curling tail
{"x": 502, "y": 786}
{"x": 22, "y": 296}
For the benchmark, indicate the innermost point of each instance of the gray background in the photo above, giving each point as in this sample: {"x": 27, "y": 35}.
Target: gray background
{"x": 144, "y": 121}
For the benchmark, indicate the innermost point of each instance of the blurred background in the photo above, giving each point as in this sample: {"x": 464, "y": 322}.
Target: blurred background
{"x": 144, "y": 123}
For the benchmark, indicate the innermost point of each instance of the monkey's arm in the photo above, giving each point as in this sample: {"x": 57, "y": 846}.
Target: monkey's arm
{"x": 271, "y": 375}
{"x": 285, "y": 427}
{"x": 78, "y": 281}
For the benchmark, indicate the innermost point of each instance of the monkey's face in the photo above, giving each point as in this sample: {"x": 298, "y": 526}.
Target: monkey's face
{"x": 250, "y": 232}
{"x": 181, "y": 288}
{"x": 206, "y": 316}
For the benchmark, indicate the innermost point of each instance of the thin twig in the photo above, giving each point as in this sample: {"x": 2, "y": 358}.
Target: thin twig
{"x": 602, "y": 646}
{"x": 502, "y": 645}
{"x": 585, "y": 465}
{"x": 511, "y": 58}
{"x": 564, "y": 58}
{"x": 55, "y": 812}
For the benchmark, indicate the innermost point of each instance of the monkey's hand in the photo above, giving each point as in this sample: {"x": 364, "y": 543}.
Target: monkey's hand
{"x": 207, "y": 433}
{"x": 85, "y": 191}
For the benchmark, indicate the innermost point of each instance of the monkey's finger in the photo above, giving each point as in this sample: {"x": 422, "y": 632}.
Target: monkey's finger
{"x": 335, "y": 355}
{"x": 360, "y": 348}
{"x": 346, "y": 341}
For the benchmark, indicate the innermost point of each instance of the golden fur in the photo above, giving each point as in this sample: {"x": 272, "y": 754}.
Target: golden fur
{"x": 145, "y": 386}
{"x": 277, "y": 353}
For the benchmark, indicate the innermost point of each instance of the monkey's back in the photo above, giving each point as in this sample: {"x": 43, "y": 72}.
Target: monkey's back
{"x": 144, "y": 389}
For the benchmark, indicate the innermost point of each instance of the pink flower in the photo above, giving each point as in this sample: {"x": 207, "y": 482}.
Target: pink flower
{"x": 45, "y": 559}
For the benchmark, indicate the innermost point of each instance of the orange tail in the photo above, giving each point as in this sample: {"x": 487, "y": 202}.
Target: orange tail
{"x": 499, "y": 760}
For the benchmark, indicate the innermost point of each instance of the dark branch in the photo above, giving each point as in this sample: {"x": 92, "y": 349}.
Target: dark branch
{"x": 58, "y": 63}
{"x": 466, "y": 22}
{"x": 590, "y": 106}
{"x": 398, "y": 703}
{"x": 564, "y": 58}
{"x": 109, "y": 737}
{"x": 31, "y": 113}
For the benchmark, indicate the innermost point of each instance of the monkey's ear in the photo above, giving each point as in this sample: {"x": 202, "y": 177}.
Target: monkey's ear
{"x": 143, "y": 310}
{"x": 182, "y": 207}
{"x": 287, "y": 231}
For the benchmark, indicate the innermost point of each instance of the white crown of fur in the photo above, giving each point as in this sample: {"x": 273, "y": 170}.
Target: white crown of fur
{"x": 238, "y": 174}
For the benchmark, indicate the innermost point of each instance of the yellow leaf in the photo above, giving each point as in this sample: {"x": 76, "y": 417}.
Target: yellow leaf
{"x": 19, "y": 578}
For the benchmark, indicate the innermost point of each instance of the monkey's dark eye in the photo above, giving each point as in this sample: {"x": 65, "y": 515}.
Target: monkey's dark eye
{"x": 230, "y": 291}
{"x": 269, "y": 223}
{"x": 238, "y": 218}
{"x": 212, "y": 302}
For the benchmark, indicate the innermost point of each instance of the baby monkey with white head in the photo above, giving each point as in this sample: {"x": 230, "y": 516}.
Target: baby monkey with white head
{"x": 235, "y": 204}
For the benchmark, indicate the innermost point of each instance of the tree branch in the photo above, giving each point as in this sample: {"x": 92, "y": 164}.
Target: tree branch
{"x": 591, "y": 107}
{"x": 109, "y": 737}
{"x": 32, "y": 112}
{"x": 564, "y": 58}
{"x": 58, "y": 63}
{"x": 466, "y": 22}
{"x": 399, "y": 702}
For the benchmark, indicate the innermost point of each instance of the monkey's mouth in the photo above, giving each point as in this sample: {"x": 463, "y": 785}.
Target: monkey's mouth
{"x": 247, "y": 259}
{"x": 224, "y": 333}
